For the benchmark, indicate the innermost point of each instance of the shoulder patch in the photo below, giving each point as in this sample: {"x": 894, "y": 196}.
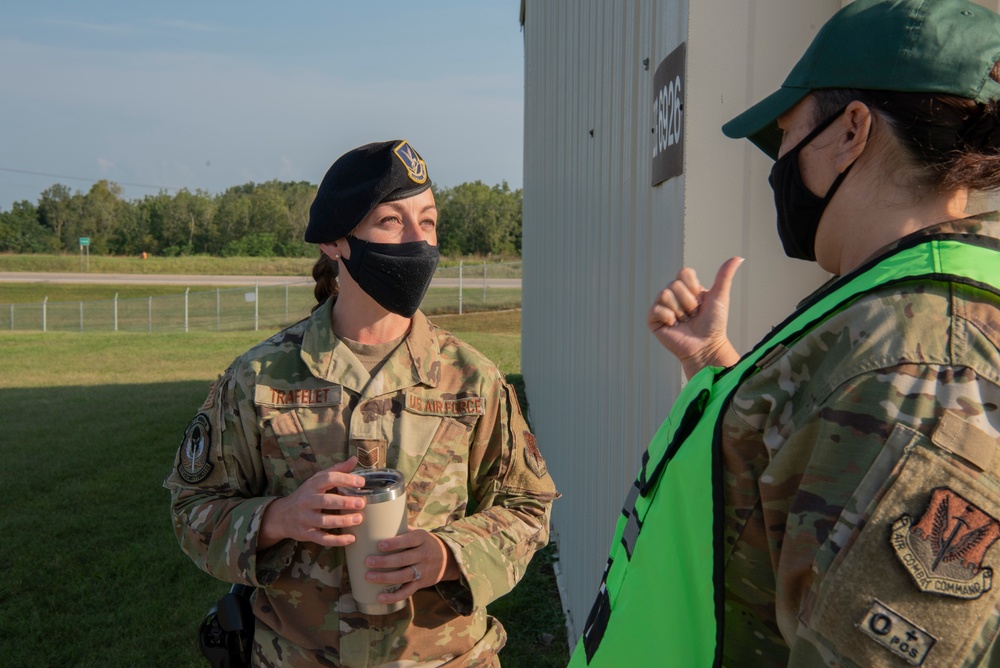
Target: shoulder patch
{"x": 943, "y": 552}
{"x": 210, "y": 399}
{"x": 193, "y": 465}
{"x": 532, "y": 456}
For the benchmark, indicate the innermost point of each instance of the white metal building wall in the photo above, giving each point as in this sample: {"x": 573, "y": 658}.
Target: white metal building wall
{"x": 595, "y": 237}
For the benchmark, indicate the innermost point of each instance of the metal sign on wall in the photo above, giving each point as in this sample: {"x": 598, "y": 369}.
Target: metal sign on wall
{"x": 668, "y": 117}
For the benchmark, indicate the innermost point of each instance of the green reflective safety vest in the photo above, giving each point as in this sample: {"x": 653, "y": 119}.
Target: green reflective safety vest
{"x": 661, "y": 597}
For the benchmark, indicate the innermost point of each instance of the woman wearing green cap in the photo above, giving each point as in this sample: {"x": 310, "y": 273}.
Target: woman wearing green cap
{"x": 854, "y": 454}
{"x": 366, "y": 381}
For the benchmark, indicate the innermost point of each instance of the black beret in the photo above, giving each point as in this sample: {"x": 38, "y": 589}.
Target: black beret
{"x": 359, "y": 181}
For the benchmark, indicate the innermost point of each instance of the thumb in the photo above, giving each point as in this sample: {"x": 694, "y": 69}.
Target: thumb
{"x": 724, "y": 279}
{"x": 345, "y": 466}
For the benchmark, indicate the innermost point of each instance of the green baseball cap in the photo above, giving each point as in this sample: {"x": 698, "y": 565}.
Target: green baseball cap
{"x": 917, "y": 46}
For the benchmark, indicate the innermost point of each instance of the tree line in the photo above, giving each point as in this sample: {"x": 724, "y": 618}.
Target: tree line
{"x": 254, "y": 219}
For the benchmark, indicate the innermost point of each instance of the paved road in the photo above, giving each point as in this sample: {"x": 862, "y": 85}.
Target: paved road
{"x": 186, "y": 279}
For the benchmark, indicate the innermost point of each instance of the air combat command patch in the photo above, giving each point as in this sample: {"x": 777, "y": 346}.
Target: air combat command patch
{"x": 194, "y": 466}
{"x": 944, "y": 551}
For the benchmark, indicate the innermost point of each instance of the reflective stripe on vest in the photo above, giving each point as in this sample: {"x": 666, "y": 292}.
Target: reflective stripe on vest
{"x": 661, "y": 596}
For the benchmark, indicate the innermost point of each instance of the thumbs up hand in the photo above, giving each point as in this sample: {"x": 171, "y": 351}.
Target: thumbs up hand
{"x": 691, "y": 321}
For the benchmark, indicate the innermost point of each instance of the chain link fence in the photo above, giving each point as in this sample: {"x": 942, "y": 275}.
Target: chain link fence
{"x": 464, "y": 288}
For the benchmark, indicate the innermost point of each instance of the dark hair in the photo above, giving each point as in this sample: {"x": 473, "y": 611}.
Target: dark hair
{"x": 325, "y": 273}
{"x": 956, "y": 140}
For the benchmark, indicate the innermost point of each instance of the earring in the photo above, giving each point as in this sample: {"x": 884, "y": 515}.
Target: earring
{"x": 336, "y": 256}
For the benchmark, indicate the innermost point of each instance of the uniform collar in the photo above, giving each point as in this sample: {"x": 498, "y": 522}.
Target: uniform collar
{"x": 417, "y": 360}
{"x": 982, "y": 225}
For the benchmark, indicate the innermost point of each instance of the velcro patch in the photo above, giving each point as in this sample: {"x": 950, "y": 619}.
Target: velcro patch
{"x": 298, "y": 397}
{"x": 532, "y": 456}
{"x": 440, "y": 407}
{"x": 193, "y": 465}
{"x": 965, "y": 440}
{"x": 943, "y": 552}
{"x": 896, "y": 633}
{"x": 370, "y": 452}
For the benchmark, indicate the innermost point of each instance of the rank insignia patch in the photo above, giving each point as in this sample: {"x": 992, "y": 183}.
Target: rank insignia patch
{"x": 944, "y": 551}
{"x": 416, "y": 168}
{"x": 194, "y": 465}
{"x": 370, "y": 453}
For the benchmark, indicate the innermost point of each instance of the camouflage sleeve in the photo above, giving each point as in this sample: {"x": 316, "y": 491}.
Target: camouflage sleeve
{"x": 887, "y": 498}
{"x": 217, "y": 485}
{"x": 512, "y": 493}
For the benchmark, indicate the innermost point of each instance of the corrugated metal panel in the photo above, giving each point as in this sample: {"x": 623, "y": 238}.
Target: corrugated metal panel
{"x": 595, "y": 239}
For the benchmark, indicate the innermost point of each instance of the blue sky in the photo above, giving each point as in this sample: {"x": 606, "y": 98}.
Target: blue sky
{"x": 196, "y": 94}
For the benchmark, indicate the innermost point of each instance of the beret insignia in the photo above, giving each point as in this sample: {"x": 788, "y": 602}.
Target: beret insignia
{"x": 416, "y": 168}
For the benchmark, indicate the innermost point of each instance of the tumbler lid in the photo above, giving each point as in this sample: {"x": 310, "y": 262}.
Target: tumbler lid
{"x": 380, "y": 485}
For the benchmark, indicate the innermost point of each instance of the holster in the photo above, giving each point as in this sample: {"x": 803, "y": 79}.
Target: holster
{"x": 226, "y": 633}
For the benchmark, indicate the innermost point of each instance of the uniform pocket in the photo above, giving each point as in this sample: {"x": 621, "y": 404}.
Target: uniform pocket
{"x": 912, "y": 584}
{"x": 287, "y": 454}
{"x": 442, "y": 475}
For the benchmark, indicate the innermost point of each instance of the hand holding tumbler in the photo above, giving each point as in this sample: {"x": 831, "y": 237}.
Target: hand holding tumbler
{"x": 384, "y": 516}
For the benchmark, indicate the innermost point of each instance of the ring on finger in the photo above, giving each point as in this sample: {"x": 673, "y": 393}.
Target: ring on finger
{"x": 416, "y": 573}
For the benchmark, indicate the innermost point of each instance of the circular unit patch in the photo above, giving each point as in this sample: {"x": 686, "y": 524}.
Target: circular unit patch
{"x": 194, "y": 465}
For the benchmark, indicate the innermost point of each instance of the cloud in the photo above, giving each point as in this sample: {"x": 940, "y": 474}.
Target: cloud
{"x": 104, "y": 165}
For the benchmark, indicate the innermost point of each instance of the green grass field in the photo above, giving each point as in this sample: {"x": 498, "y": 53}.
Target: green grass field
{"x": 92, "y": 575}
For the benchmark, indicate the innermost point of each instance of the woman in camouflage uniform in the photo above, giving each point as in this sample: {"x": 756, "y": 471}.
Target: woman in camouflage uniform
{"x": 862, "y": 481}
{"x": 366, "y": 380}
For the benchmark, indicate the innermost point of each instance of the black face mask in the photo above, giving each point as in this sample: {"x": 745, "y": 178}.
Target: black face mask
{"x": 799, "y": 209}
{"x": 394, "y": 275}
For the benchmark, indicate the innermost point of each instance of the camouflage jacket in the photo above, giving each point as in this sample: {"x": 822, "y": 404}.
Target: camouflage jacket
{"x": 438, "y": 411}
{"x": 863, "y": 486}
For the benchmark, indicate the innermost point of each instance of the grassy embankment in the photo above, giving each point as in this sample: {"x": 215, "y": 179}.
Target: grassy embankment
{"x": 92, "y": 575}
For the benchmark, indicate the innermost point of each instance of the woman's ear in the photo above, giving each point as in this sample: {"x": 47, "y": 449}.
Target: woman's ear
{"x": 334, "y": 250}
{"x": 856, "y": 125}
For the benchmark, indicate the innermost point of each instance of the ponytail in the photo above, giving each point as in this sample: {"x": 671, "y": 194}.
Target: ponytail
{"x": 325, "y": 273}
{"x": 976, "y": 162}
